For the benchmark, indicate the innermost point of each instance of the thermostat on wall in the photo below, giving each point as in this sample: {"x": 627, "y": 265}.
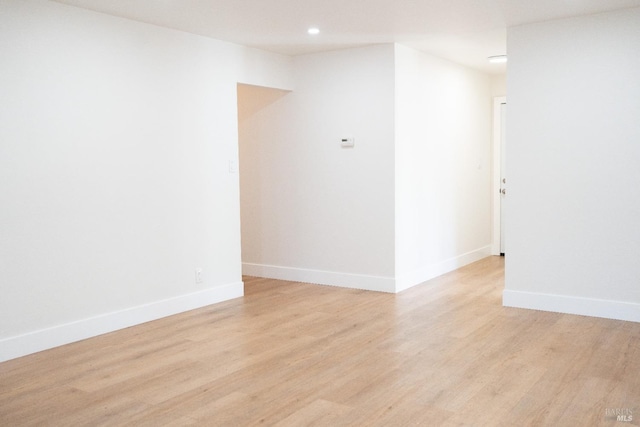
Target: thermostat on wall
{"x": 348, "y": 142}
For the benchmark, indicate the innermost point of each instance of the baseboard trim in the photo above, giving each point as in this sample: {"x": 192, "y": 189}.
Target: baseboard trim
{"x": 607, "y": 309}
{"x": 44, "y": 339}
{"x": 429, "y": 272}
{"x": 320, "y": 277}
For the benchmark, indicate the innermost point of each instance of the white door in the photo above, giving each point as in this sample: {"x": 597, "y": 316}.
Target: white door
{"x": 499, "y": 180}
{"x": 503, "y": 179}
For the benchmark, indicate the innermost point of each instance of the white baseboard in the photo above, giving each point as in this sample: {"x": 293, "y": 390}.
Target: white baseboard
{"x": 33, "y": 342}
{"x": 319, "y": 277}
{"x": 359, "y": 281}
{"x": 429, "y": 272}
{"x": 572, "y": 305}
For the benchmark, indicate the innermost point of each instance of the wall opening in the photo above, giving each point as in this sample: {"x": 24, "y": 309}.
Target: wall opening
{"x": 252, "y": 102}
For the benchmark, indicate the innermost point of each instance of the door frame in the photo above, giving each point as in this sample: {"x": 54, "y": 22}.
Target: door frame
{"x": 495, "y": 181}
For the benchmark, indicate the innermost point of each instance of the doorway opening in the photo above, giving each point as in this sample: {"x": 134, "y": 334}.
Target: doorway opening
{"x": 253, "y": 103}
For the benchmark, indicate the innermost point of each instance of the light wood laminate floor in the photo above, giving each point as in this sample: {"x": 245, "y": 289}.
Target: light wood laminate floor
{"x": 445, "y": 353}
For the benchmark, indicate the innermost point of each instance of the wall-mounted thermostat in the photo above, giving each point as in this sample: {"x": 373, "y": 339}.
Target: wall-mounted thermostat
{"x": 348, "y": 142}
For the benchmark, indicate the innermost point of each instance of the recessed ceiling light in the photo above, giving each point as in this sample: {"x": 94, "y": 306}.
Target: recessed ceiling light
{"x": 313, "y": 31}
{"x": 498, "y": 59}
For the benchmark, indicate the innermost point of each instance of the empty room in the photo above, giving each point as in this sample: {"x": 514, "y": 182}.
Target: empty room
{"x": 363, "y": 213}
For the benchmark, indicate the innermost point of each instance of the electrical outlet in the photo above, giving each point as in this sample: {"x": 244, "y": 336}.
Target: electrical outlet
{"x": 348, "y": 142}
{"x": 198, "y": 275}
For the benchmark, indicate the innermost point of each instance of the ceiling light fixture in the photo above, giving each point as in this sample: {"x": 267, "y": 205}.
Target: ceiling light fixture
{"x": 498, "y": 59}
{"x": 313, "y": 31}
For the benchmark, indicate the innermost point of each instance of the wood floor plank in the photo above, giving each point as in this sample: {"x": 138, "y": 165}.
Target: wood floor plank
{"x": 443, "y": 353}
{"x": 317, "y": 413}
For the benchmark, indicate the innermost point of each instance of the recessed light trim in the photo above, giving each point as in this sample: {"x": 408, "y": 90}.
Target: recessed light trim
{"x": 498, "y": 59}
{"x": 313, "y": 31}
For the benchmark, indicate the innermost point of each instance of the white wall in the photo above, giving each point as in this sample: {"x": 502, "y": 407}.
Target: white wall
{"x": 312, "y": 210}
{"x": 409, "y": 202}
{"x": 499, "y": 85}
{"x": 574, "y": 150}
{"x": 443, "y": 166}
{"x": 115, "y": 138}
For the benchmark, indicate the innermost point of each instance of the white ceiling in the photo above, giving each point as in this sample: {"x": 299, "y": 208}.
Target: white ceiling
{"x": 463, "y": 31}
